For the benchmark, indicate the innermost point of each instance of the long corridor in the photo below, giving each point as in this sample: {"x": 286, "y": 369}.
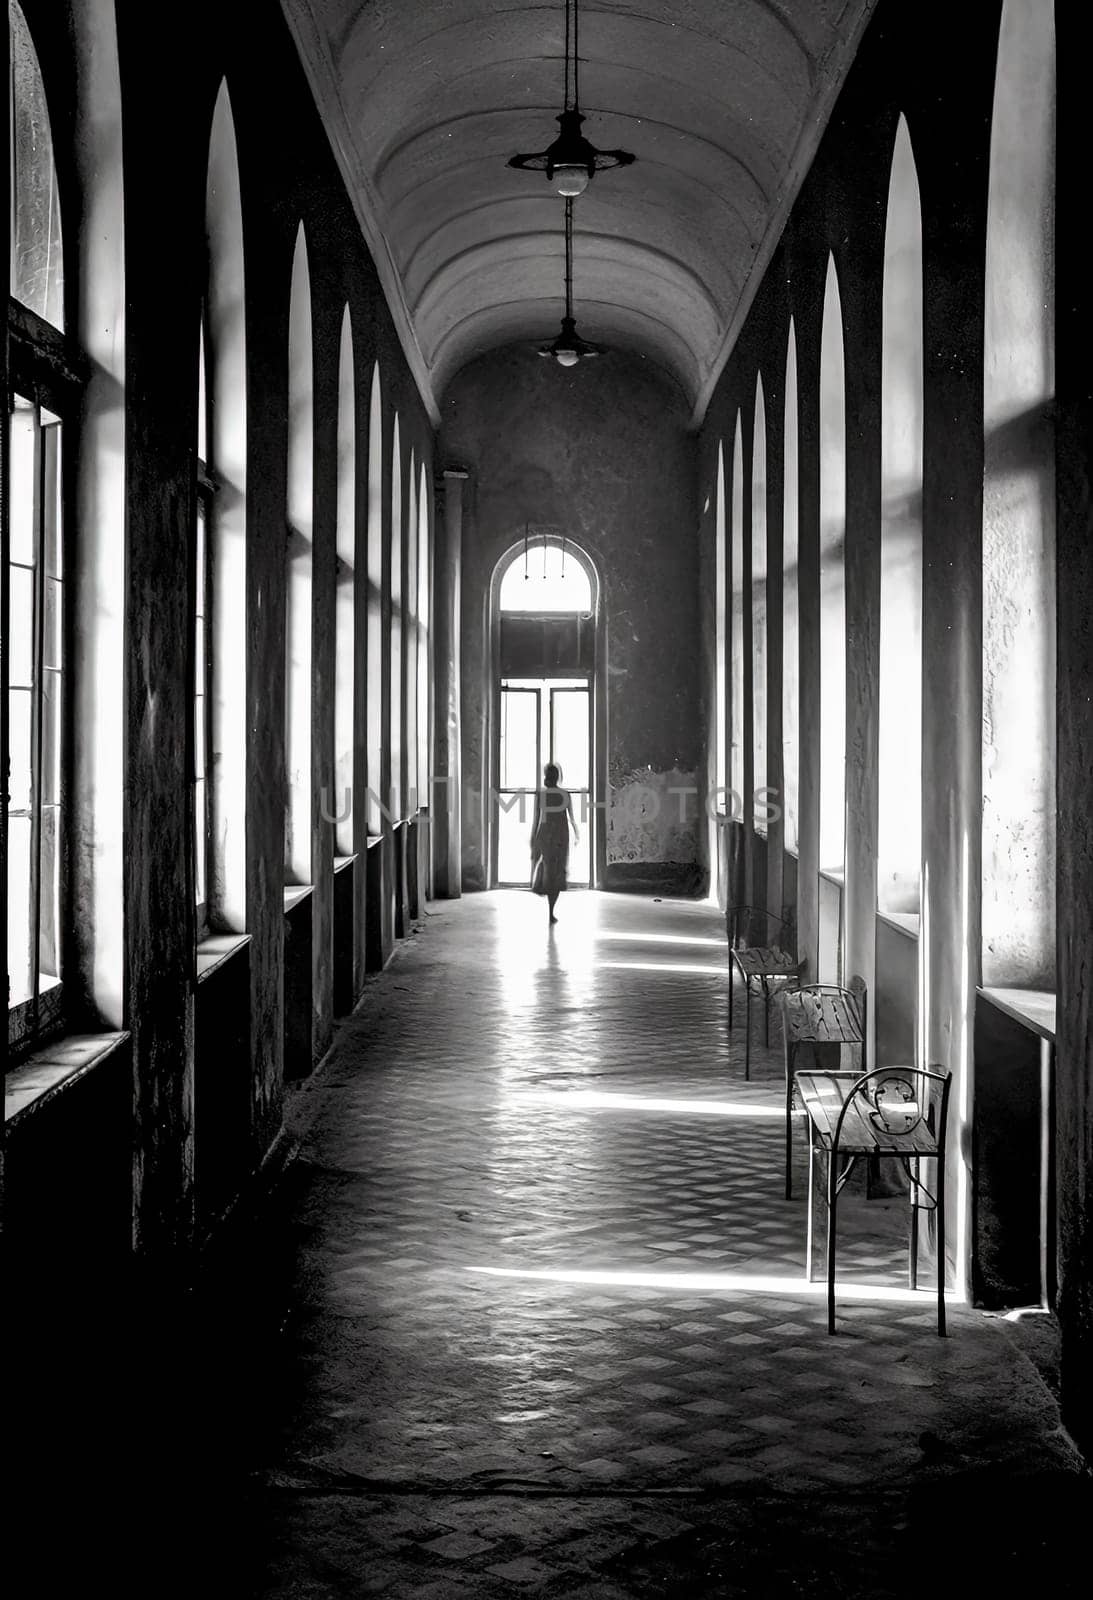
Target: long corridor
{"x": 544, "y": 1326}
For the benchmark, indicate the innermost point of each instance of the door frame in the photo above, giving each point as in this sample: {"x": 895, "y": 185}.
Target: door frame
{"x": 597, "y": 685}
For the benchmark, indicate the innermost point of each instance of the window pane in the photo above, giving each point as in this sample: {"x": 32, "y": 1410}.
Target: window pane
{"x": 202, "y": 705}
{"x": 23, "y": 477}
{"x": 49, "y": 856}
{"x": 19, "y": 736}
{"x": 35, "y": 273}
{"x": 19, "y": 921}
{"x": 200, "y": 831}
{"x": 21, "y": 627}
{"x": 570, "y": 707}
{"x": 519, "y": 739}
{"x": 202, "y": 399}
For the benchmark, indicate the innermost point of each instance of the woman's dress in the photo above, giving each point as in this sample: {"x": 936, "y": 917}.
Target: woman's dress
{"x": 551, "y": 837}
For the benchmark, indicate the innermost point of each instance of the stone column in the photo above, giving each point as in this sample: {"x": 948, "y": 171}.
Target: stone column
{"x": 1074, "y": 868}
{"x": 862, "y": 319}
{"x": 447, "y": 767}
{"x": 808, "y": 315}
{"x": 952, "y": 688}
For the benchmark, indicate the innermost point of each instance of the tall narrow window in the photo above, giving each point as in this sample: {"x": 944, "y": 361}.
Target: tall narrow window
{"x": 832, "y": 581}
{"x": 1019, "y": 578}
{"x": 202, "y": 619}
{"x": 791, "y": 658}
{"x": 759, "y": 605}
{"x": 396, "y": 798}
{"x": 299, "y": 561}
{"x": 424, "y": 630}
{"x": 345, "y": 595}
{"x": 221, "y": 547}
{"x": 34, "y": 634}
{"x": 721, "y": 710}
{"x": 737, "y": 798}
{"x": 32, "y": 597}
{"x": 899, "y": 818}
{"x": 375, "y": 608}
{"x": 409, "y": 643}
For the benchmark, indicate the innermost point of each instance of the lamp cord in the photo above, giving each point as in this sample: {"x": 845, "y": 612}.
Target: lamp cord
{"x": 576, "y": 54}
{"x": 565, "y": 94}
{"x": 569, "y": 257}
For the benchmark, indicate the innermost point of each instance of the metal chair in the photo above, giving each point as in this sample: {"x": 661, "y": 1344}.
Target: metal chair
{"x": 899, "y": 1112}
{"x": 761, "y": 948}
{"x": 819, "y": 1014}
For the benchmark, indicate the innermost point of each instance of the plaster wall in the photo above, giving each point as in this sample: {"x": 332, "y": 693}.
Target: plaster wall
{"x": 600, "y": 452}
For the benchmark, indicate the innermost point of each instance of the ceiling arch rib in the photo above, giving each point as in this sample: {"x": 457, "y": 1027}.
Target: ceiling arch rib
{"x": 721, "y": 101}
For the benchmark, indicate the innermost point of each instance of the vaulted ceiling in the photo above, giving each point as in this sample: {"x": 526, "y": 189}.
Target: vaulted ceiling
{"x": 721, "y": 101}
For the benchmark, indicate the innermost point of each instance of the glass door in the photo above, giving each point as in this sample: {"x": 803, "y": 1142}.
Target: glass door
{"x": 569, "y": 747}
{"x": 542, "y": 720}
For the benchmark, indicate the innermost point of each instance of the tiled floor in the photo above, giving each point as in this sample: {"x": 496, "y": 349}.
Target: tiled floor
{"x": 544, "y": 1329}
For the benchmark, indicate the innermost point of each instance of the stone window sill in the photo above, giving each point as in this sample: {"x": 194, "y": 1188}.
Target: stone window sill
{"x": 1034, "y": 1008}
{"x": 294, "y": 893}
{"x": 53, "y": 1069}
{"x": 216, "y": 950}
{"x": 341, "y": 862}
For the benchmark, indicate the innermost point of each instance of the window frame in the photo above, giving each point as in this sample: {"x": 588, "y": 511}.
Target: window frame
{"x": 205, "y": 487}
{"x": 48, "y": 370}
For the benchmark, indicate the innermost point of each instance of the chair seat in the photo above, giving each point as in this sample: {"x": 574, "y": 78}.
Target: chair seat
{"x": 765, "y": 961}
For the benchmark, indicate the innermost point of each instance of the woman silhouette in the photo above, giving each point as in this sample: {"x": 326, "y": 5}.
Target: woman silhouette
{"x": 550, "y": 832}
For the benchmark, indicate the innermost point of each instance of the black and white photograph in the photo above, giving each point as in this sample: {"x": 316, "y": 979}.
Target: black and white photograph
{"x": 546, "y": 721}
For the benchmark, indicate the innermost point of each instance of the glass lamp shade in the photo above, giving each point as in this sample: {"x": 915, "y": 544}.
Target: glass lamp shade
{"x": 566, "y": 358}
{"x": 570, "y": 180}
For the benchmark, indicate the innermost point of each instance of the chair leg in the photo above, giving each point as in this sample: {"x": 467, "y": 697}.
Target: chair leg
{"x": 789, "y": 1136}
{"x": 747, "y": 1029}
{"x": 940, "y": 1249}
{"x": 912, "y": 1247}
{"x": 732, "y": 976}
{"x": 766, "y": 1014}
{"x": 832, "y": 1203}
{"x": 809, "y": 1222}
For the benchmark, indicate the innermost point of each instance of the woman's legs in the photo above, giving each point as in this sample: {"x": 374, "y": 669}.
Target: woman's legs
{"x": 552, "y": 901}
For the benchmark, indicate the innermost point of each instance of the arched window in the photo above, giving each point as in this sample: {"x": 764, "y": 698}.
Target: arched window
{"x": 299, "y": 566}
{"x": 395, "y": 798}
{"x": 1019, "y": 802}
{"x": 41, "y": 402}
{"x": 759, "y": 605}
{"x": 345, "y": 594}
{"x": 737, "y": 798}
{"x": 424, "y": 631}
{"x": 721, "y": 710}
{"x": 36, "y": 276}
{"x": 220, "y": 550}
{"x": 791, "y": 659}
{"x": 899, "y": 836}
{"x": 546, "y": 578}
{"x": 375, "y": 607}
{"x": 832, "y": 581}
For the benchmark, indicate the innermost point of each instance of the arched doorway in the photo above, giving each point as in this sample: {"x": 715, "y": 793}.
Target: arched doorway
{"x": 544, "y": 662}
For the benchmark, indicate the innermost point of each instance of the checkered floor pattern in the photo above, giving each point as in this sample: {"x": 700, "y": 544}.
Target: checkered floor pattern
{"x": 545, "y": 1327}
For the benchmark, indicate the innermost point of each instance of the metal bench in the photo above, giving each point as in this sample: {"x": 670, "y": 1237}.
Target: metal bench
{"x": 899, "y": 1112}
{"x": 823, "y": 1015}
{"x": 761, "y": 949}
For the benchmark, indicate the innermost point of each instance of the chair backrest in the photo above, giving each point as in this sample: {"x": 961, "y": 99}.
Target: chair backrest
{"x": 900, "y": 1104}
{"x": 855, "y": 996}
{"x": 748, "y": 926}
